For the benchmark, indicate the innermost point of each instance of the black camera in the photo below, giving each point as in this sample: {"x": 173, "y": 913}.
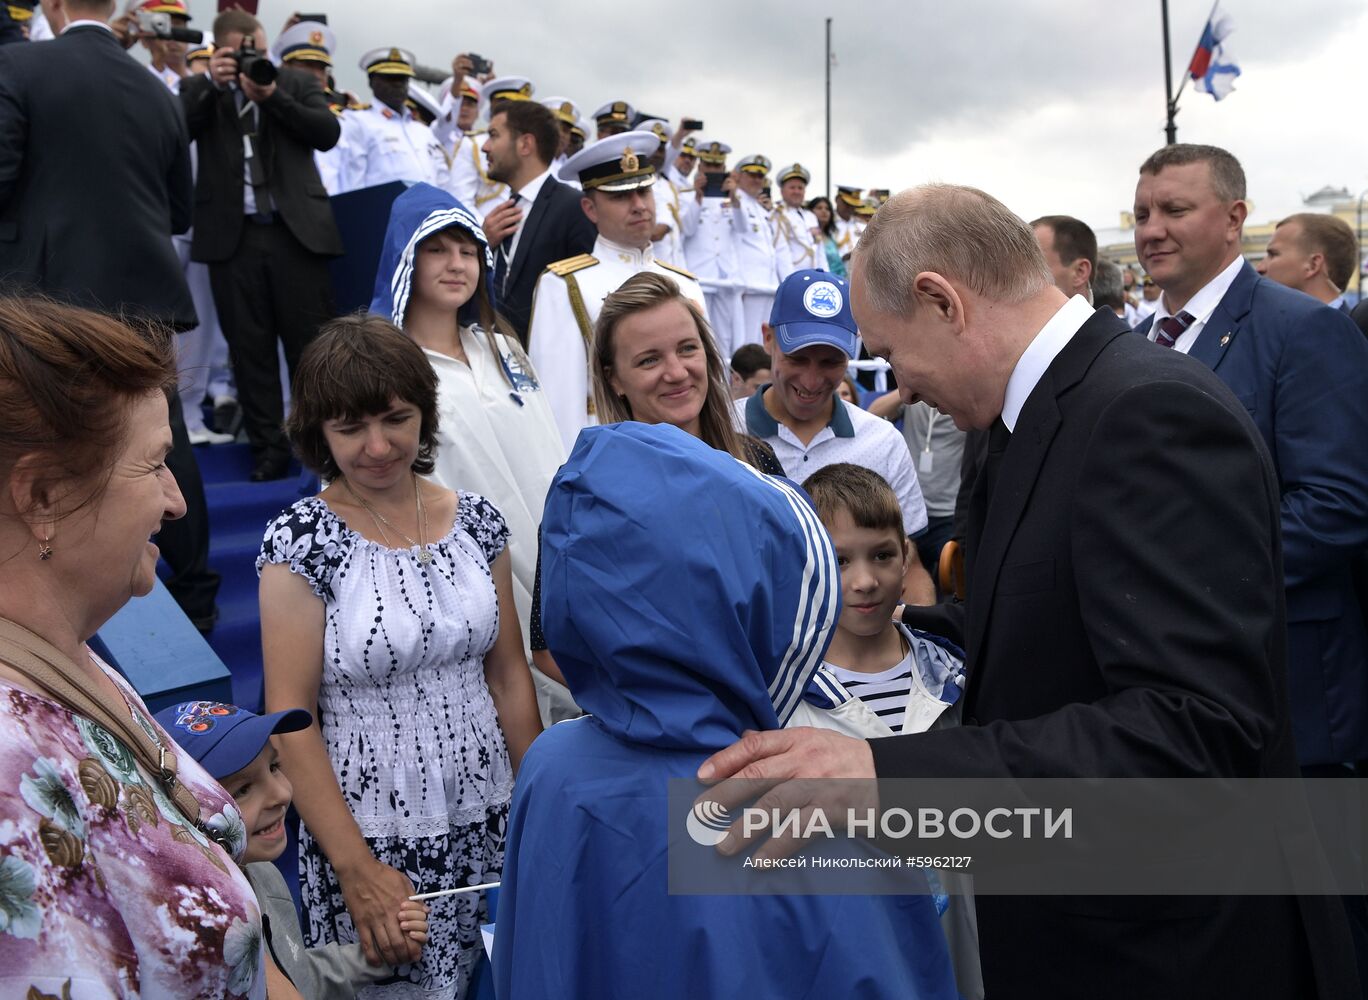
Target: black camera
{"x": 160, "y": 26}
{"x": 255, "y": 66}
{"x": 479, "y": 65}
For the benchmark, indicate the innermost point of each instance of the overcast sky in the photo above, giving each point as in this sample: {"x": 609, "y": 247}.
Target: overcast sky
{"x": 1049, "y": 104}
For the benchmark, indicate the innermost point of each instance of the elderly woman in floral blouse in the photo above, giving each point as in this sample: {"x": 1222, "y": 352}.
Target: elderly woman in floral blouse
{"x": 116, "y": 879}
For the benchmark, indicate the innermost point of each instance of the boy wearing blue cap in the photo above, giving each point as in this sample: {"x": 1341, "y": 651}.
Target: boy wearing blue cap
{"x": 811, "y": 339}
{"x": 234, "y": 746}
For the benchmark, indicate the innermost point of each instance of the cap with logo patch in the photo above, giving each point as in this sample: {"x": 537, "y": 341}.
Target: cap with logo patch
{"x": 813, "y": 307}
{"x": 225, "y": 738}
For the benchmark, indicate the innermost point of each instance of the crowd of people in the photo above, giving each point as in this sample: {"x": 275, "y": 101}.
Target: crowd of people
{"x": 606, "y": 498}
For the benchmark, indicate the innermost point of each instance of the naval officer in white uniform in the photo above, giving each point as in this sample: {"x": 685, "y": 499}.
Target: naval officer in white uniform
{"x": 616, "y": 177}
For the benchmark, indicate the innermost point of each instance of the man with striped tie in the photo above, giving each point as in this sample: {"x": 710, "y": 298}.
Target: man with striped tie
{"x": 1301, "y": 369}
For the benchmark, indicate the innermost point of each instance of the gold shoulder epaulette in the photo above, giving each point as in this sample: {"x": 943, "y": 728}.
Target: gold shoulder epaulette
{"x": 676, "y": 269}
{"x": 572, "y": 264}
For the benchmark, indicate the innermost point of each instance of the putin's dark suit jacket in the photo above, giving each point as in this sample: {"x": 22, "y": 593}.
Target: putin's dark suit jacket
{"x": 556, "y": 228}
{"x": 1301, "y": 370}
{"x": 94, "y": 178}
{"x": 1124, "y": 619}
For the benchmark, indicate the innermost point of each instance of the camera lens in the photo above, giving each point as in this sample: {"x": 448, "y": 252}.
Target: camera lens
{"x": 261, "y": 71}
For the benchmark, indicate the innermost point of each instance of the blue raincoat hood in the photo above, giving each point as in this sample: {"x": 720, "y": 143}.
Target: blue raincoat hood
{"x": 686, "y": 597}
{"x": 415, "y": 215}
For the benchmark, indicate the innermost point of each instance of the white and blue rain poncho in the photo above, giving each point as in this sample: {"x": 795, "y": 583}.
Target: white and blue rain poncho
{"x": 686, "y": 598}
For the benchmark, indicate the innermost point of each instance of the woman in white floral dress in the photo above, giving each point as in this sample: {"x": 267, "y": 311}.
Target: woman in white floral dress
{"x": 106, "y": 888}
{"x": 387, "y": 609}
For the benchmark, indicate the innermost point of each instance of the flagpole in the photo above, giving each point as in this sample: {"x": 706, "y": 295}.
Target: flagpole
{"x": 1171, "y": 129}
{"x": 1170, "y": 102}
{"x": 828, "y": 108}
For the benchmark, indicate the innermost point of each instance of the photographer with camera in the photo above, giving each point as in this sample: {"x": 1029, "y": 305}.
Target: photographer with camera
{"x": 262, "y": 219}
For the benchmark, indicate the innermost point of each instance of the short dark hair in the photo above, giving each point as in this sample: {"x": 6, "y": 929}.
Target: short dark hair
{"x": 1227, "y": 176}
{"x": 1108, "y": 288}
{"x": 1073, "y": 238}
{"x": 1334, "y": 239}
{"x": 749, "y": 359}
{"x": 531, "y": 118}
{"x": 356, "y": 367}
{"x": 235, "y": 19}
{"x": 862, "y": 493}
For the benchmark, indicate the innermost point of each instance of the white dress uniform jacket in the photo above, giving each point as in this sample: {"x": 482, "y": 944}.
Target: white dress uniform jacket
{"x": 380, "y": 145}
{"x": 795, "y": 248}
{"x": 758, "y": 267}
{"x": 671, "y": 247}
{"x": 710, "y": 250}
{"x": 848, "y": 233}
{"x": 566, "y": 304}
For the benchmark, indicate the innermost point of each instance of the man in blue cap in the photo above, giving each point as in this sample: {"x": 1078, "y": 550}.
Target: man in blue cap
{"x": 811, "y": 339}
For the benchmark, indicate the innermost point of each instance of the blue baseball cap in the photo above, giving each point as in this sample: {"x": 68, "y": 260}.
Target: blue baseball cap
{"x": 813, "y": 307}
{"x": 225, "y": 738}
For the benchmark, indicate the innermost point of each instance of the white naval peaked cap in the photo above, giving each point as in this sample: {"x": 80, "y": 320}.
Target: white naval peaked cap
{"x": 615, "y": 111}
{"x": 388, "y": 62}
{"x": 308, "y": 41}
{"x": 507, "y": 88}
{"x": 617, "y": 163}
{"x": 419, "y": 95}
{"x": 564, "y": 109}
{"x": 711, "y": 150}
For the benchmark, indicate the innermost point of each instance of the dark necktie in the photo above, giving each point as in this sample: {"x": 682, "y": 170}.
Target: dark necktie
{"x": 985, "y": 483}
{"x": 249, "y": 118}
{"x": 1170, "y": 328}
{"x": 505, "y": 254}
{"x": 999, "y": 437}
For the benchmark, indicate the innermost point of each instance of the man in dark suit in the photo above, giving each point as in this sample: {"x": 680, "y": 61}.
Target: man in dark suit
{"x": 1301, "y": 370}
{"x": 542, "y": 221}
{"x": 98, "y": 238}
{"x": 93, "y": 182}
{"x": 263, "y": 223}
{"x": 1124, "y": 617}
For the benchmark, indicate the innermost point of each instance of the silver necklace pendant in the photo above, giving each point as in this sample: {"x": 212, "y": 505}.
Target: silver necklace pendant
{"x": 424, "y": 556}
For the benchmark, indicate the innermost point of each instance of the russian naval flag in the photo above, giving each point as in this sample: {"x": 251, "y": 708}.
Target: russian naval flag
{"x": 1212, "y": 69}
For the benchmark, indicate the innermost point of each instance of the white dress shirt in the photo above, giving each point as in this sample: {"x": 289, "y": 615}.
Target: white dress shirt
{"x": 1199, "y": 307}
{"x": 1039, "y": 354}
{"x": 526, "y": 196}
{"x": 82, "y": 23}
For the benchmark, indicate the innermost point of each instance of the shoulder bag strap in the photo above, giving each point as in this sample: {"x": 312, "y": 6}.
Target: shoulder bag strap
{"x": 52, "y": 672}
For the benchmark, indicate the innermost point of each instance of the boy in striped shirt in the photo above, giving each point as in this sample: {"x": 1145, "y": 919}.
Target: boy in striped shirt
{"x": 909, "y": 681}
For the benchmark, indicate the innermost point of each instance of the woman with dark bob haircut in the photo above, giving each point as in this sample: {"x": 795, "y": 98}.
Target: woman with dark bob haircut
{"x": 387, "y": 611}
{"x": 117, "y": 873}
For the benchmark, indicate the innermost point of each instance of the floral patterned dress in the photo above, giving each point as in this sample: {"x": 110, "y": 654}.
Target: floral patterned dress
{"x": 408, "y": 722}
{"x": 106, "y": 890}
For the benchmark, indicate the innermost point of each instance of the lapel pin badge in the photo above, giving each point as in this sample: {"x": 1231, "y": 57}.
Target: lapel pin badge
{"x": 1225, "y": 340}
